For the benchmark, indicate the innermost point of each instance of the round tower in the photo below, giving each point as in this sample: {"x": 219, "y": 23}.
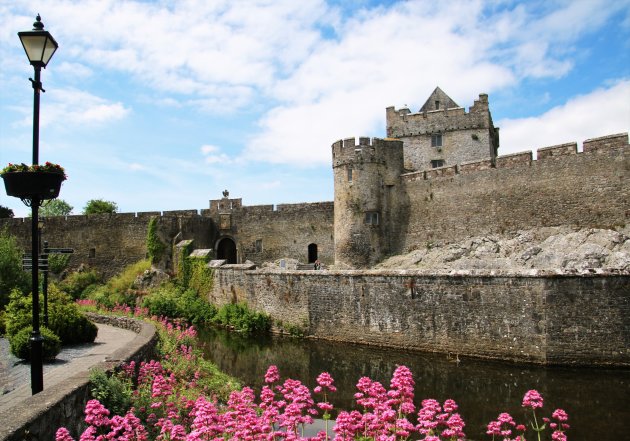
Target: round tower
{"x": 366, "y": 179}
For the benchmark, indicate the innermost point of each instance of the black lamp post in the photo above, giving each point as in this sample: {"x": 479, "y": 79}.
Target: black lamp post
{"x": 39, "y": 46}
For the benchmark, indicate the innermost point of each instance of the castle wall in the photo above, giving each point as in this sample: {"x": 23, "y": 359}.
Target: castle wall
{"x": 561, "y": 187}
{"x": 264, "y": 234}
{"x": 541, "y": 318}
{"x": 110, "y": 242}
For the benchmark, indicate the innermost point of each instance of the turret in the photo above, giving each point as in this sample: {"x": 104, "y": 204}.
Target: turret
{"x": 366, "y": 199}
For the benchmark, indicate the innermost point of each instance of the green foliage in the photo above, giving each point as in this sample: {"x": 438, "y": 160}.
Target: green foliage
{"x": 175, "y": 302}
{"x": 11, "y": 274}
{"x": 64, "y": 317}
{"x": 241, "y": 318}
{"x": 197, "y": 275}
{"x": 3, "y": 322}
{"x": 155, "y": 247}
{"x": 58, "y": 262}
{"x": 70, "y": 324}
{"x": 120, "y": 289}
{"x": 20, "y": 343}
{"x": 5, "y": 212}
{"x": 18, "y": 312}
{"x": 114, "y": 392}
{"x": 55, "y": 207}
{"x": 100, "y": 206}
{"x": 78, "y": 282}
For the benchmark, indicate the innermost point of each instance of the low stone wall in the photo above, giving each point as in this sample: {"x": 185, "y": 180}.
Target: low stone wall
{"x": 39, "y": 416}
{"x": 538, "y": 317}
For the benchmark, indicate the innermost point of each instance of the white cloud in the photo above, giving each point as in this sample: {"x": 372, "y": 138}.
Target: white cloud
{"x": 212, "y": 155}
{"x": 602, "y": 112}
{"x": 68, "y": 108}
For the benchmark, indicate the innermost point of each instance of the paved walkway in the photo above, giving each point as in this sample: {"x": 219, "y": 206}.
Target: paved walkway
{"x": 15, "y": 375}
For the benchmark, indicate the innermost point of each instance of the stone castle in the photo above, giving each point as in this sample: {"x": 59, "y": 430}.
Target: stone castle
{"x": 437, "y": 177}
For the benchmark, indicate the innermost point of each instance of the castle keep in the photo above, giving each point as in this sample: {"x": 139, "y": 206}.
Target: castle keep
{"x": 437, "y": 177}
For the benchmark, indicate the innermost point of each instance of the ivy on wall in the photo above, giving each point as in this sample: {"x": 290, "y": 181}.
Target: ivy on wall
{"x": 196, "y": 275}
{"x": 155, "y": 246}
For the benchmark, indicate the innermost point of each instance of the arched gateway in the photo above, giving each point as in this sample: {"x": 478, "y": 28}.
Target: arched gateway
{"x": 226, "y": 249}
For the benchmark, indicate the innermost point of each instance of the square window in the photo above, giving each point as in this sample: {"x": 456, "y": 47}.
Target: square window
{"x": 436, "y": 140}
{"x": 371, "y": 217}
{"x": 435, "y": 163}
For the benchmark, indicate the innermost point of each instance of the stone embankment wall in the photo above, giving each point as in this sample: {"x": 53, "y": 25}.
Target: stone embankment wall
{"x": 552, "y": 318}
{"x": 38, "y": 417}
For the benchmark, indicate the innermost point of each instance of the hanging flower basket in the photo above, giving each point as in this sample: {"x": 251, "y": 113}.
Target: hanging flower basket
{"x": 33, "y": 181}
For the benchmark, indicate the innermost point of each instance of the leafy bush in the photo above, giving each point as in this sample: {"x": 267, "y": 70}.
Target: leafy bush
{"x": 20, "y": 343}
{"x": 241, "y": 318}
{"x": 174, "y": 302}
{"x": 3, "y": 323}
{"x": 112, "y": 391}
{"x": 120, "y": 289}
{"x": 70, "y": 324}
{"x": 11, "y": 274}
{"x": 65, "y": 319}
{"x": 78, "y": 282}
{"x": 58, "y": 262}
{"x": 155, "y": 246}
{"x": 18, "y": 312}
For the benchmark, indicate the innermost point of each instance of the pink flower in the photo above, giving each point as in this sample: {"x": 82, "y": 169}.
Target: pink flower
{"x": 96, "y": 414}
{"x": 560, "y": 415}
{"x": 272, "y": 375}
{"x": 63, "y": 435}
{"x": 532, "y": 399}
{"x": 325, "y": 381}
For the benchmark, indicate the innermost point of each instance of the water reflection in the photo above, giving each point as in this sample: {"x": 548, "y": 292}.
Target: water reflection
{"x": 596, "y": 399}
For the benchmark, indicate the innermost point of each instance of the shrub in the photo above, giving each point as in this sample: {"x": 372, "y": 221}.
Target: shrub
{"x": 112, "y": 391}
{"x": 78, "y": 282}
{"x": 174, "y": 302}
{"x": 11, "y": 274}
{"x": 18, "y": 312}
{"x": 241, "y": 318}
{"x": 20, "y": 343}
{"x": 65, "y": 319}
{"x": 3, "y": 323}
{"x": 70, "y": 324}
{"x": 58, "y": 262}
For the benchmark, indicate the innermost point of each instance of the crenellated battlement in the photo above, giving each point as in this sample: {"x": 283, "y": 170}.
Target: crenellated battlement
{"x": 611, "y": 144}
{"x": 375, "y": 150}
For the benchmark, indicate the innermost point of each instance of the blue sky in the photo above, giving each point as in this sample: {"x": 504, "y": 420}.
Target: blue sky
{"x": 161, "y": 105}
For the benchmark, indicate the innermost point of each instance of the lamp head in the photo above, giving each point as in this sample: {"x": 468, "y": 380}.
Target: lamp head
{"x": 38, "y": 44}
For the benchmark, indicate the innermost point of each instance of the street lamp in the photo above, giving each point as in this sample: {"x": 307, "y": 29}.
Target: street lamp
{"x": 39, "y": 46}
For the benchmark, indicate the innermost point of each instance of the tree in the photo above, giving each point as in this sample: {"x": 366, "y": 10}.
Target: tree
{"x": 55, "y": 207}
{"x": 100, "y": 206}
{"x": 11, "y": 274}
{"x": 5, "y": 212}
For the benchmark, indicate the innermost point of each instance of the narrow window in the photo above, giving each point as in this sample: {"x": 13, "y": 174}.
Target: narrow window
{"x": 349, "y": 174}
{"x": 92, "y": 253}
{"x": 435, "y": 163}
{"x": 437, "y": 105}
{"x": 371, "y": 217}
{"x": 258, "y": 246}
{"x": 436, "y": 140}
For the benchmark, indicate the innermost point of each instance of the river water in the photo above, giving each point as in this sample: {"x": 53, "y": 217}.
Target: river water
{"x": 597, "y": 400}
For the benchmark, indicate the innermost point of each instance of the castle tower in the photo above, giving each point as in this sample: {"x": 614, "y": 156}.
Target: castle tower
{"x": 366, "y": 179}
{"x": 442, "y": 134}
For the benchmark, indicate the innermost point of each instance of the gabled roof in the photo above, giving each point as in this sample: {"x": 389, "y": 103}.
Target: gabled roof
{"x": 438, "y": 97}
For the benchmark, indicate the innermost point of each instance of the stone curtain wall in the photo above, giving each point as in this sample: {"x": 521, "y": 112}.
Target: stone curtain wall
{"x": 547, "y": 319}
{"x": 110, "y": 242}
{"x": 589, "y": 189}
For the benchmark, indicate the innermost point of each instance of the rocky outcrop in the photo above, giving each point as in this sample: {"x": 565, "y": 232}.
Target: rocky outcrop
{"x": 557, "y": 248}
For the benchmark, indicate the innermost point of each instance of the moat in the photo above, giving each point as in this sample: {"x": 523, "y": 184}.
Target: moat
{"x": 595, "y": 399}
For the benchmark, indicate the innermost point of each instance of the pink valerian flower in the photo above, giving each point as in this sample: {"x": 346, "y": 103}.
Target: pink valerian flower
{"x": 272, "y": 375}
{"x": 62, "y": 434}
{"x": 532, "y": 399}
{"x": 347, "y": 425}
{"x": 96, "y": 414}
{"x": 325, "y": 382}
{"x": 435, "y": 420}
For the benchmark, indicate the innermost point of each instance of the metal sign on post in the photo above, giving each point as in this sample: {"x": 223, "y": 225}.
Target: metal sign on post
{"x": 60, "y": 250}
